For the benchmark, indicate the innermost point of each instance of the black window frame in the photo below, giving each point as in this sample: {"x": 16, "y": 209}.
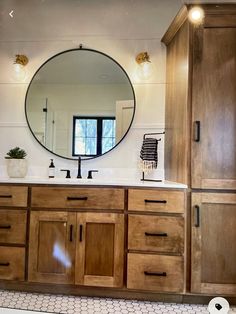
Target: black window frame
{"x": 99, "y": 119}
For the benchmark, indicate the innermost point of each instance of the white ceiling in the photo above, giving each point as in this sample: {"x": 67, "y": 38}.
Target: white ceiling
{"x": 70, "y": 19}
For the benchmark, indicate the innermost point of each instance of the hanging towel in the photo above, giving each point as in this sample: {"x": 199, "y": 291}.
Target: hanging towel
{"x": 148, "y": 154}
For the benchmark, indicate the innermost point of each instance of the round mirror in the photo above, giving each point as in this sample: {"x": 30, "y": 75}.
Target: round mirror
{"x": 80, "y": 103}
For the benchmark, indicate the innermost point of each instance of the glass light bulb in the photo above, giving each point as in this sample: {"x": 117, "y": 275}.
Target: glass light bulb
{"x": 144, "y": 70}
{"x": 196, "y": 15}
{"x": 19, "y": 72}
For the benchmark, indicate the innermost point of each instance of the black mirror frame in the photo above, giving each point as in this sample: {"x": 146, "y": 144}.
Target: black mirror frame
{"x": 92, "y": 50}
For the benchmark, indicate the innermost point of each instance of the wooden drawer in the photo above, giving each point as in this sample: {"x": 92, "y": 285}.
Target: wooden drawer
{"x": 12, "y": 263}
{"x": 13, "y": 226}
{"x": 81, "y": 198}
{"x": 13, "y": 196}
{"x": 156, "y": 233}
{"x": 156, "y": 200}
{"x": 158, "y": 273}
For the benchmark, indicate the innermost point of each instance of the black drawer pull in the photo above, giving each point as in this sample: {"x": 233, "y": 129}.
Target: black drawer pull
{"x": 71, "y": 233}
{"x": 5, "y": 196}
{"x": 4, "y": 264}
{"x": 197, "y": 131}
{"x": 156, "y": 201}
{"x": 149, "y": 273}
{"x": 72, "y": 198}
{"x": 80, "y": 233}
{"x": 5, "y": 226}
{"x": 197, "y": 216}
{"x": 158, "y": 234}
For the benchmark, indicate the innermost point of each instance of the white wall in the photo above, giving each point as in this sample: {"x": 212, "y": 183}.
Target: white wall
{"x": 120, "y": 29}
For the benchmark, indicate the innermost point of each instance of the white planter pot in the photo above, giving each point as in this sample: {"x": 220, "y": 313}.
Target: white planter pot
{"x": 17, "y": 168}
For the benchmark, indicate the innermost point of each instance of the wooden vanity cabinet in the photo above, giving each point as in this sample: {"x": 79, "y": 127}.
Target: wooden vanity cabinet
{"x": 72, "y": 247}
{"x": 213, "y": 243}
{"x": 200, "y": 137}
{"x": 156, "y": 233}
{"x": 13, "y": 221}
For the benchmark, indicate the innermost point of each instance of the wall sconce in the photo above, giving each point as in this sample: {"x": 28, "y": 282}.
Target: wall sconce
{"x": 19, "y": 70}
{"x": 196, "y": 15}
{"x": 145, "y": 69}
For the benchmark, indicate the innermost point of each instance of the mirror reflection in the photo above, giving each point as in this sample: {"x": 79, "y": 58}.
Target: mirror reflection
{"x": 80, "y": 102}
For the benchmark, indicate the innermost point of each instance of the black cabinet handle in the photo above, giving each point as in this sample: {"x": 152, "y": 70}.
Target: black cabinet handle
{"x": 80, "y": 233}
{"x": 75, "y": 198}
{"x": 158, "y": 234}
{"x": 156, "y": 201}
{"x": 160, "y": 274}
{"x": 4, "y": 264}
{"x": 5, "y": 196}
{"x": 197, "y": 216}
{"x": 197, "y": 131}
{"x": 71, "y": 233}
{"x": 5, "y": 226}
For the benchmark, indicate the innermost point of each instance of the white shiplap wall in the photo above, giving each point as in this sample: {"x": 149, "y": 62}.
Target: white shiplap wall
{"x": 121, "y": 29}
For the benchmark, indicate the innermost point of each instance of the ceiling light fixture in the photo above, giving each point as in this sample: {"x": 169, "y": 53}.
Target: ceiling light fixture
{"x": 144, "y": 70}
{"x": 19, "y": 64}
{"x": 196, "y": 15}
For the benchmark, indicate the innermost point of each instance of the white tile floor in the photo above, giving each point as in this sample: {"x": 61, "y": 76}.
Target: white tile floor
{"x": 45, "y": 303}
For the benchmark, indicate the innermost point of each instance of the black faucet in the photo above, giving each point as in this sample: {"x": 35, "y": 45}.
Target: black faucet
{"x": 90, "y": 173}
{"x": 67, "y": 173}
{"x": 79, "y": 176}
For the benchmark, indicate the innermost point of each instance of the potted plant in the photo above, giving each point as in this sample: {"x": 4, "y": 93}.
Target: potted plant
{"x": 16, "y": 163}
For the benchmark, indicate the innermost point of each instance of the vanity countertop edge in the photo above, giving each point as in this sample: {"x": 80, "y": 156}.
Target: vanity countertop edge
{"x": 93, "y": 182}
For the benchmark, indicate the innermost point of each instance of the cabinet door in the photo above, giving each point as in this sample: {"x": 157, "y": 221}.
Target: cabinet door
{"x": 213, "y": 243}
{"x": 99, "y": 249}
{"x": 51, "y": 247}
{"x": 214, "y": 109}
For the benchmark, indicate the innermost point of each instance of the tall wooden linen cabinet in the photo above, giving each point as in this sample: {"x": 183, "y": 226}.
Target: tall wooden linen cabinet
{"x": 200, "y": 147}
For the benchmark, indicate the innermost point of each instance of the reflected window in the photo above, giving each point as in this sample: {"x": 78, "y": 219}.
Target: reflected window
{"x": 93, "y": 136}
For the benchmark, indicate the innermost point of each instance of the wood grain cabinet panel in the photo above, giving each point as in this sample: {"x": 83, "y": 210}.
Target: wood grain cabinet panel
{"x": 156, "y": 233}
{"x": 80, "y": 248}
{"x": 213, "y": 243}
{"x": 13, "y": 196}
{"x": 12, "y": 263}
{"x": 100, "y": 249}
{"x": 52, "y": 247}
{"x": 80, "y": 198}
{"x": 214, "y": 110}
{"x": 13, "y": 226}
{"x": 157, "y": 273}
{"x": 156, "y": 200}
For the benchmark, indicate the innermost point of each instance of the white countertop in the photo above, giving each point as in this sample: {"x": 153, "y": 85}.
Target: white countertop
{"x": 91, "y": 182}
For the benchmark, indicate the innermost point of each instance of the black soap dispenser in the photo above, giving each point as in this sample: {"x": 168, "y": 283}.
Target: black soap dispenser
{"x": 51, "y": 171}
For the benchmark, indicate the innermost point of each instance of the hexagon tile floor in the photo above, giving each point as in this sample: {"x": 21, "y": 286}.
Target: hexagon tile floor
{"x": 46, "y": 303}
